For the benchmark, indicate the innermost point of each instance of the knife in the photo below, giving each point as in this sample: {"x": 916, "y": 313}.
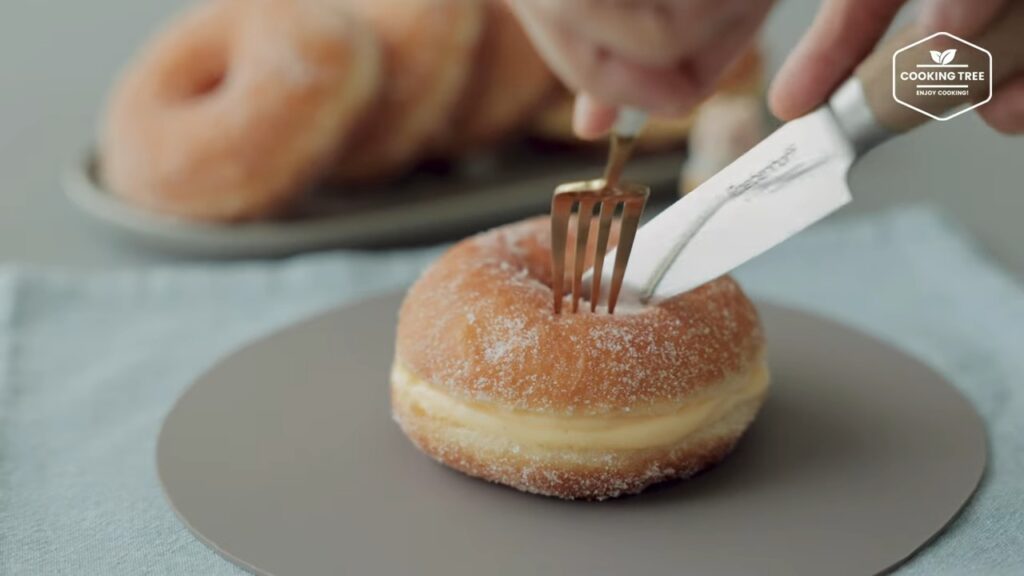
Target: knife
{"x": 793, "y": 178}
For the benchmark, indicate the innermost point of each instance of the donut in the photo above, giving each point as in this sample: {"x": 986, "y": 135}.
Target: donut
{"x": 428, "y": 46}
{"x": 507, "y": 83}
{"x": 488, "y": 380}
{"x": 231, "y": 110}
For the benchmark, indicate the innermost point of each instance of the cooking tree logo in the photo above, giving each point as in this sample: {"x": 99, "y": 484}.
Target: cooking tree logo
{"x": 943, "y": 58}
{"x": 942, "y": 76}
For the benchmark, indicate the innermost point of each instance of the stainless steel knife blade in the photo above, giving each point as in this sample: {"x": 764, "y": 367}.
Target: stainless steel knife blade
{"x": 793, "y": 178}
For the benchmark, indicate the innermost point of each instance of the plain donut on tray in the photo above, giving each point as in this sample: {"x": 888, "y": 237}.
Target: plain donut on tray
{"x": 235, "y": 106}
{"x": 507, "y": 84}
{"x": 427, "y": 46}
{"x": 488, "y": 380}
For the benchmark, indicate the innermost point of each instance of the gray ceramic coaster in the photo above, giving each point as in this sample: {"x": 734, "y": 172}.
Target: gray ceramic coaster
{"x": 284, "y": 458}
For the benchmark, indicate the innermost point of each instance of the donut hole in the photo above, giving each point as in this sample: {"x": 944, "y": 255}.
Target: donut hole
{"x": 203, "y": 83}
{"x": 207, "y": 84}
{"x": 525, "y": 259}
{"x": 196, "y": 74}
{"x": 542, "y": 272}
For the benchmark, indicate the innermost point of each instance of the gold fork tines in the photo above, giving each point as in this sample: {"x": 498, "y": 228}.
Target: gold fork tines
{"x": 606, "y": 194}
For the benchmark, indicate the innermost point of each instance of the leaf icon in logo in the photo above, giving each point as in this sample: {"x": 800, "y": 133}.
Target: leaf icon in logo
{"x": 936, "y": 56}
{"x": 948, "y": 55}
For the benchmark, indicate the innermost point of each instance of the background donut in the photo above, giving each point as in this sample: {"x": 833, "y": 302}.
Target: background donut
{"x": 237, "y": 108}
{"x": 507, "y": 84}
{"x": 229, "y": 112}
{"x": 428, "y": 46}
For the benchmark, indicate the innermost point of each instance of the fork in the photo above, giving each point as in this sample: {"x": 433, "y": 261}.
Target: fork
{"x": 607, "y": 194}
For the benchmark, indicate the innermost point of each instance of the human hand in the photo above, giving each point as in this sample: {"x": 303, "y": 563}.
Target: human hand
{"x": 662, "y": 56}
{"x": 845, "y": 31}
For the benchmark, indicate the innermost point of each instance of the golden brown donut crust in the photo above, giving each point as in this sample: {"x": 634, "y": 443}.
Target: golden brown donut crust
{"x": 508, "y": 82}
{"x": 479, "y": 326}
{"x": 488, "y": 380}
{"x": 428, "y": 46}
{"x": 231, "y": 110}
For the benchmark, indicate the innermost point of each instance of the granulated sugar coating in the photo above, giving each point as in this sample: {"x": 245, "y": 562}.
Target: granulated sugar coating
{"x": 479, "y": 326}
{"x": 488, "y": 380}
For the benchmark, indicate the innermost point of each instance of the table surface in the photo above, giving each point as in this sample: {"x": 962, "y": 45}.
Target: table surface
{"x": 58, "y": 58}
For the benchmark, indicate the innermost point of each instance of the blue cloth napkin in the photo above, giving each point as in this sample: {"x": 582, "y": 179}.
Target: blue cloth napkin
{"x": 90, "y": 364}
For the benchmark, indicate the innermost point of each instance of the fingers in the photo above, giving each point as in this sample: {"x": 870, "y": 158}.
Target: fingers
{"x": 607, "y": 77}
{"x": 958, "y": 17}
{"x": 736, "y": 36}
{"x": 655, "y": 33}
{"x": 660, "y": 91}
{"x": 649, "y": 54}
{"x": 1005, "y": 111}
{"x": 843, "y": 33}
{"x": 592, "y": 119}
{"x": 544, "y": 33}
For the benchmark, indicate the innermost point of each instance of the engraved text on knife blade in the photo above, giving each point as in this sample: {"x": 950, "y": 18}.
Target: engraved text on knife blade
{"x": 767, "y": 179}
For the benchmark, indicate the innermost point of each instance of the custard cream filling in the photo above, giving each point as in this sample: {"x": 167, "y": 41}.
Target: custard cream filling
{"x": 618, "y": 431}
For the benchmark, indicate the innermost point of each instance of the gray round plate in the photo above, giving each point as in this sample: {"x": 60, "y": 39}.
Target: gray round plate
{"x": 284, "y": 459}
{"x": 425, "y": 207}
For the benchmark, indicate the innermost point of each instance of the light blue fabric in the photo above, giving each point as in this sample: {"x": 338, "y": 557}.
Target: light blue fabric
{"x": 89, "y": 364}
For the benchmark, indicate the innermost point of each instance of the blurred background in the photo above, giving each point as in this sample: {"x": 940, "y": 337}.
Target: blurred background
{"x": 59, "y": 58}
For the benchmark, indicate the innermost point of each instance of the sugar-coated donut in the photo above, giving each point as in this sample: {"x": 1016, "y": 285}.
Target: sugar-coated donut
{"x": 488, "y": 380}
{"x": 229, "y": 111}
{"x": 508, "y": 82}
{"x": 428, "y": 46}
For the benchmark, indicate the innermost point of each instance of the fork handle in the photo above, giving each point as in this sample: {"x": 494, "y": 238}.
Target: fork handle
{"x": 621, "y": 140}
{"x": 629, "y": 122}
